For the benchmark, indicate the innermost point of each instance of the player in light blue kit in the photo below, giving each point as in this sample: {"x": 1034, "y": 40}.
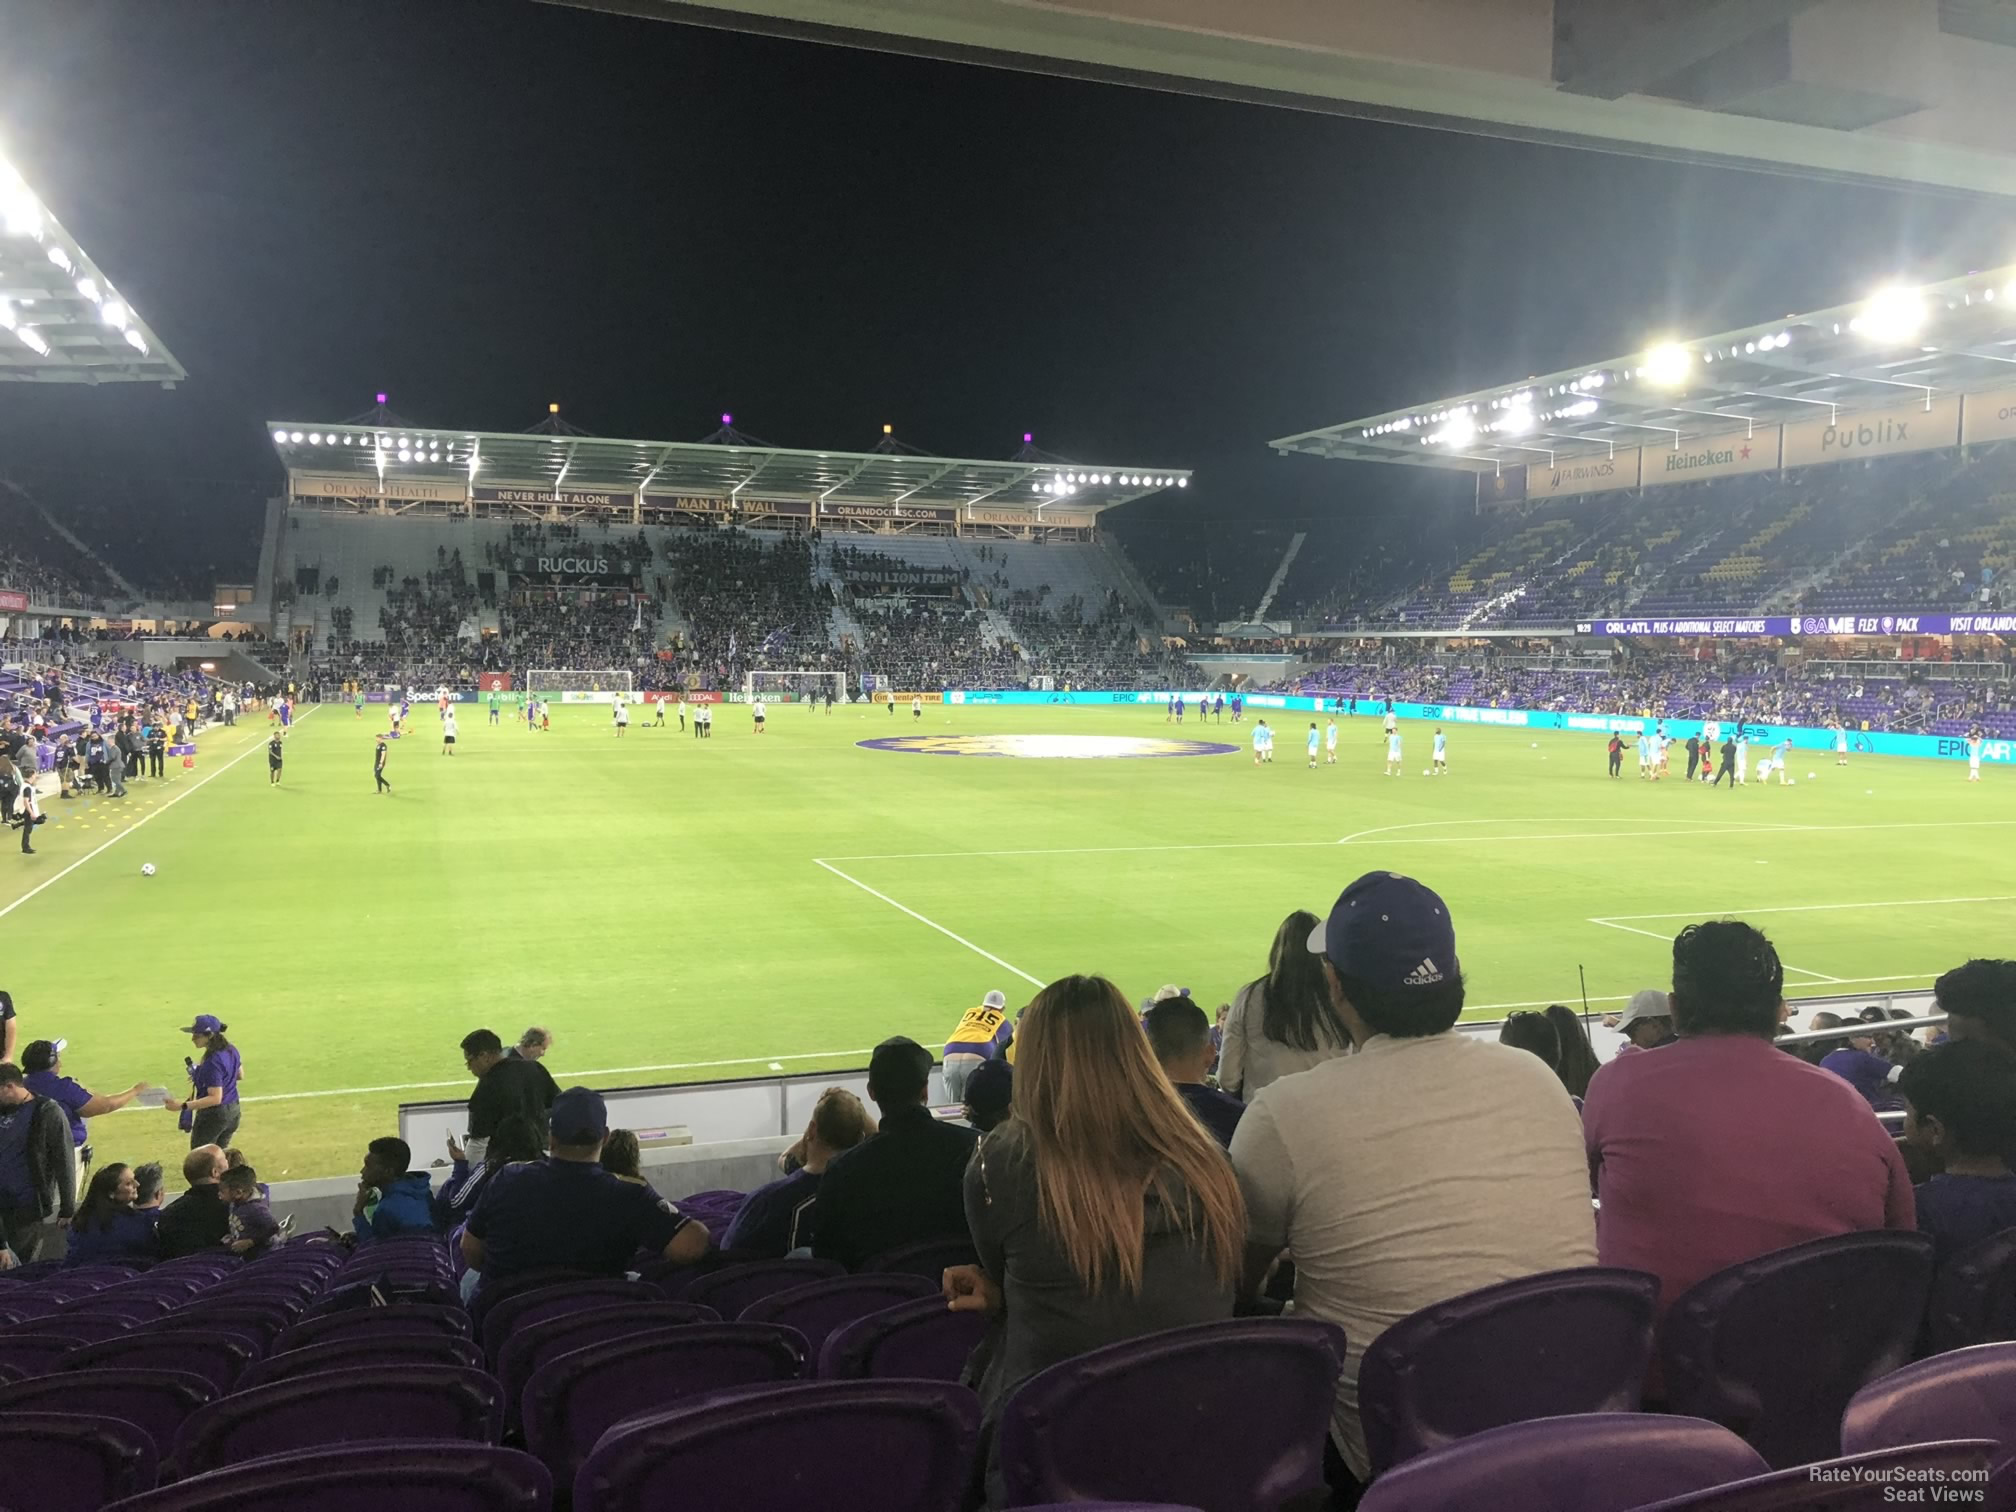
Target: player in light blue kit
{"x": 1315, "y": 740}
{"x": 1263, "y": 743}
{"x": 1441, "y": 754}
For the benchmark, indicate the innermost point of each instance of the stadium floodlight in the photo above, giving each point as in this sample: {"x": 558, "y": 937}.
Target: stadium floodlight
{"x": 32, "y": 339}
{"x": 1517, "y": 422}
{"x": 279, "y": 438}
{"x": 1667, "y": 363}
{"x": 1458, "y": 430}
{"x": 61, "y": 259}
{"x": 295, "y": 438}
{"x": 136, "y": 341}
{"x": 1182, "y": 482}
{"x": 1892, "y": 315}
{"x": 314, "y": 438}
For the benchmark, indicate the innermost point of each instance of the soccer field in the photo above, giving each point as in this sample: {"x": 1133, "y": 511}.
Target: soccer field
{"x": 681, "y": 910}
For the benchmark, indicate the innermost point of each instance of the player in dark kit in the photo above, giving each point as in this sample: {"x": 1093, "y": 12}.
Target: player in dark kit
{"x": 1728, "y": 767}
{"x": 1693, "y": 757}
{"x": 1616, "y": 749}
{"x": 274, "y": 756}
{"x": 378, "y": 766}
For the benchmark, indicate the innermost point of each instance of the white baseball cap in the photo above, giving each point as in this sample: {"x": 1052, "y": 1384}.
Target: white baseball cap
{"x": 994, "y": 1000}
{"x": 1650, "y": 1003}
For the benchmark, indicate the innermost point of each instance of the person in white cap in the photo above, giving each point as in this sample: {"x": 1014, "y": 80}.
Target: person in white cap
{"x": 1646, "y": 1022}
{"x": 981, "y": 1034}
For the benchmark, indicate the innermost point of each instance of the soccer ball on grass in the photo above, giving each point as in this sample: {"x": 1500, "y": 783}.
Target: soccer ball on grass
{"x": 147, "y": 869}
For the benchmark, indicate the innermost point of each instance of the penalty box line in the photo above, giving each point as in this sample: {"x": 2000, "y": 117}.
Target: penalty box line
{"x": 957, "y": 939}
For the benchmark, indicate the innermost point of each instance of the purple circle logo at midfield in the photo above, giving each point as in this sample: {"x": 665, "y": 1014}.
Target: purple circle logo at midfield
{"x": 1050, "y": 747}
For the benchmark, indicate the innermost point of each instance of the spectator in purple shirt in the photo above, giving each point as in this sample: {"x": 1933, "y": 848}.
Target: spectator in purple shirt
{"x": 1858, "y": 1064}
{"x": 780, "y": 1218}
{"x": 1960, "y": 1107}
{"x": 1179, "y": 1032}
{"x": 213, "y": 1099}
{"x": 251, "y": 1229}
{"x": 42, "y": 1063}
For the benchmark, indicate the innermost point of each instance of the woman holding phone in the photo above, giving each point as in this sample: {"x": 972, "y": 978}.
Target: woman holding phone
{"x": 210, "y": 1112}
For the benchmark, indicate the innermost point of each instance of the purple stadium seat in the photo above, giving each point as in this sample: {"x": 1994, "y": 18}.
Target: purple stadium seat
{"x": 1859, "y": 1483}
{"x": 734, "y": 1286}
{"x": 1231, "y": 1416}
{"x": 503, "y": 1318}
{"x": 1569, "y": 1341}
{"x": 220, "y": 1358}
{"x": 1969, "y": 1392}
{"x": 424, "y": 1318}
{"x": 373, "y": 1349}
{"x": 837, "y": 1446}
{"x": 1107, "y": 1506}
{"x": 61, "y": 1461}
{"x": 532, "y": 1346}
{"x": 1974, "y": 1295}
{"x": 34, "y": 1353}
{"x": 571, "y": 1399}
{"x": 384, "y": 1477}
{"x": 493, "y": 1292}
{"x": 128, "y": 1308}
{"x": 1774, "y": 1348}
{"x": 349, "y": 1293}
{"x": 929, "y": 1258}
{"x": 819, "y": 1307}
{"x": 1596, "y": 1462}
{"x": 263, "y": 1320}
{"x": 157, "y": 1402}
{"x": 919, "y": 1341}
{"x": 318, "y": 1411}
{"x": 25, "y": 1306}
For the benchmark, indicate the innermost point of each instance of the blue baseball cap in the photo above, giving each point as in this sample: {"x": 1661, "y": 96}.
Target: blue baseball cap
{"x": 579, "y": 1117}
{"x": 1390, "y": 931}
{"x": 206, "y": 1023}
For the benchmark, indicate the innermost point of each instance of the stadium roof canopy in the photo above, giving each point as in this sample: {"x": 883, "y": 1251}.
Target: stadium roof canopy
{"x": 1902, "y": 344}
{"x": 551, "y": 462}
{"x": 61, "y": 320}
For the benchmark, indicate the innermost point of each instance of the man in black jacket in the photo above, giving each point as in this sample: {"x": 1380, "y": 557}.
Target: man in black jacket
{"x": 904, "y": 1183}
{"x": 504, "y": 1085}
{"x": 38, "y": 1180}
{"x": 198, "y": 1220}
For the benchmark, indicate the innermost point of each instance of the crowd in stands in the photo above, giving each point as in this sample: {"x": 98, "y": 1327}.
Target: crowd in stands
{"x": 37, "y": 561}
{"x": 1331, "y": 1146}
{"x": 748, "y": 602}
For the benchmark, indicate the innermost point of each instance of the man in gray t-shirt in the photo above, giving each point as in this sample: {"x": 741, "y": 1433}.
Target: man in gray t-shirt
{"x": 1426, "y": 1165}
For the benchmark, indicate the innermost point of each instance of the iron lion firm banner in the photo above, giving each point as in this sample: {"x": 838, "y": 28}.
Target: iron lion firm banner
{"x": 1876, "y": 433}
{"x": 1715, "y": 457}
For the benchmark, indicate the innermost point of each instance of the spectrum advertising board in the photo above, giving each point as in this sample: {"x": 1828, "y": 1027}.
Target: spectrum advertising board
{"x": 1803, "y": 737}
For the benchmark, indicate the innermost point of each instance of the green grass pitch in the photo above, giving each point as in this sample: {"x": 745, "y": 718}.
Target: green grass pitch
{"x": 661, "y": 903}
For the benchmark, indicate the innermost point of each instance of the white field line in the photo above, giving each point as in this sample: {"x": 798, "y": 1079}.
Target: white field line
{"x": 1818, "y": 976}
{"x": 1826, "y": 907}
{"x": 145, "y": 818}
{"x": 957, "y": 939}
{"x": 1711, "y": 828}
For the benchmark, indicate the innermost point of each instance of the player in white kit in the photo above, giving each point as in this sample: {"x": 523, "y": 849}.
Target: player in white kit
{"x": 1975, "y": 745}
{"x": 1392, "y": 724}
{"x": 1330, "y": 740}
{"x": 447, "y": 732}
{"x": 1742, "y": 758}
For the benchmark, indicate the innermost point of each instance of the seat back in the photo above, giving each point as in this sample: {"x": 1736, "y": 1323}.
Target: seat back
{"x": 62, "y": 1461}
{"x": 157, "y": 1402}
{"x": 839, "y": 1446}
{"x": 385, "y": 1477}
{"x": 543, "y": 1302}
{"x": 1595, "y": 1462}
{"x": 1774, "y": 1347}
{"x": 1859, "y": 1483}
{"x": 342, "y": 1407}
{"x": 220, "y": 1358}
{"x": 573, "y": 1398}
{"x": 1230, "y": 1416}
{"x": 733, "y": 1287}
{"x": 372, "y": 1349}
{"x": 1974, "y": 1295}
{"x": 1569, "y": 1341}
{"x": 929, "y": 1258}
{"x": 819, "y": 1307}
{"x": 532, "y": 1346}
{"x": 416, "y": 1318}
{"x": 921, "y": 1340}
{"x": 33, "y": 1353}
{"x": 265, "y": 1321}
{"x": 1970, "y": 1393}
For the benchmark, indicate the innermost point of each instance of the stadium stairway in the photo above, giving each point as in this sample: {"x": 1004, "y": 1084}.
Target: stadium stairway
{"x": 1295, "y": 543}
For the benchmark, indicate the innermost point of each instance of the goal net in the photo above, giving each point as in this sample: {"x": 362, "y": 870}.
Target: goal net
{"x": 795, "y": 687}
{"x": 583, "y": 680}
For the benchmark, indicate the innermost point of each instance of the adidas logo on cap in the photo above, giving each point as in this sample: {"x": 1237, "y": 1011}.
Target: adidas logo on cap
{"x": 1427, "y": 974}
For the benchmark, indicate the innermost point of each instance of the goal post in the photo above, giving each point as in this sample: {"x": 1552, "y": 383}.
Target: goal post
{"x": 795, "y": 687}
{"x": 592, "y": 681}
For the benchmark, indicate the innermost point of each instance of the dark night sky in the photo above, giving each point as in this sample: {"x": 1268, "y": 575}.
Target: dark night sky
{"x": 480, "y": 206}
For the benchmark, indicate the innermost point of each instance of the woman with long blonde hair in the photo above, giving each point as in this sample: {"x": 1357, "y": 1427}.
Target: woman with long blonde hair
{"x": 1102, "y": 1209}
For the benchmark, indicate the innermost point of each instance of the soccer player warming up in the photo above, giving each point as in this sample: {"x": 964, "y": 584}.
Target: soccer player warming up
{"x": 378, "y": 765}
{"x": 274, "y": 756}
{"x": 1975, "y": 743}
{"x": 1441, "y": 754}
{"x": 1840, "y": 744}
{"x": 1312, "y": 745}
{"x": 1392, "y": 749}
{"x": 447, "y": 732}
{"x": 619, "y": 712}
{"x": 1330, "y": 740}
{"x": 756, "y": 711}
{"x": 1263, "y": 743}
{"x": 916, "y": 706}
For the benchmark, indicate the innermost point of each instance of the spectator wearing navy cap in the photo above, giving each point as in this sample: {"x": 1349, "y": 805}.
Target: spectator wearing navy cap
{"x": 212, "y": 1104}
{"x": 1428, "y": 1164}
{"x": 567, "y": 1212}
{"x": 902, "y": 1184}
{"x": 990, "y": 1096}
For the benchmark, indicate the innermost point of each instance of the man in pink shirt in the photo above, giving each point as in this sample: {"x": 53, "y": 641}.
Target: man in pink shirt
{"x": 1721, "y": 1147}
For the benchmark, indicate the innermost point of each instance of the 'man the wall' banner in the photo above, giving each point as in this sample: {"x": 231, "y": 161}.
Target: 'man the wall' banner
{"x": 562, "y": 568}
{"x": 1716, "y": 457}
{"x": 687, "y": 504}
{"x": 1879, "y": 433}
{"x": 576, "y": 498}
{"x": 1580, "y": 475}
